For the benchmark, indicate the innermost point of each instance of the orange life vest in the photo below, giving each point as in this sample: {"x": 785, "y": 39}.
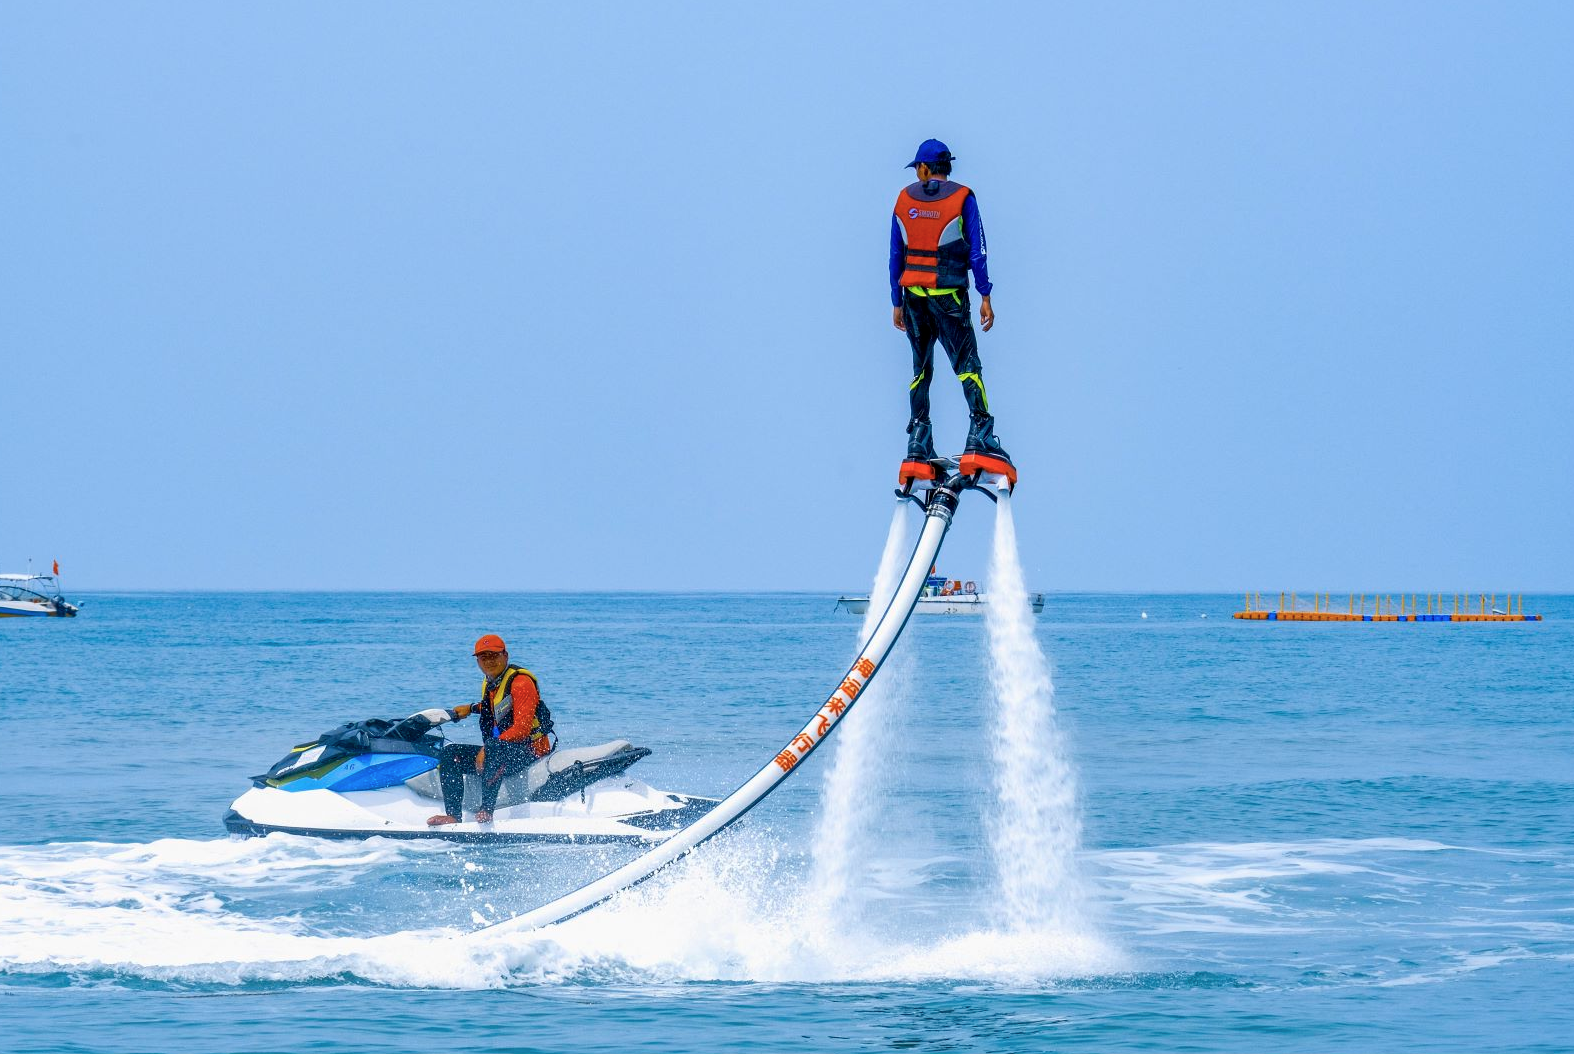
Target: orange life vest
{"x": 496, "y": 711}
{"x": 932, "y": 231}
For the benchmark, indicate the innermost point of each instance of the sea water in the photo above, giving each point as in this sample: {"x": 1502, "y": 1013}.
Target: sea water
{"x": 1315, "y": 837}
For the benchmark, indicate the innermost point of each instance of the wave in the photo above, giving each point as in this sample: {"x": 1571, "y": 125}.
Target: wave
{"x": 177, "y": 912}
{"x": 297, "y": 911}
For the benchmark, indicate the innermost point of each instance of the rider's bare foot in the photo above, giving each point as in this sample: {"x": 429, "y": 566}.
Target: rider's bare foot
{"x": 483, "y": 816}
{"x": 440, "y": 820}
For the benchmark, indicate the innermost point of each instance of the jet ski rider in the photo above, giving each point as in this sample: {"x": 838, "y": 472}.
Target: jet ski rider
{"x": 516, "y": 731}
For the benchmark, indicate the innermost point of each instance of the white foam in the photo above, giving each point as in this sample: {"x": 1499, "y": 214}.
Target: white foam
{"x": 150, "y": 910}
{"x": 1235, "y": 887}
{"x": 223, "y": 861}
{"x": 738, "y": 910}
{"x": 760, "y": 924}
{"x": 1463, "y": 964}
{"x": 1006, "y": 956}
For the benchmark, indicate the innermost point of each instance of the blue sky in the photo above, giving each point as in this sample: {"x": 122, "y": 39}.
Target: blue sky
{"x": 525, "y": 296}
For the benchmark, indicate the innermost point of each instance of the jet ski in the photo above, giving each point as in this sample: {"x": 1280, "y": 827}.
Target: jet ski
{"x": 379, "y": 778}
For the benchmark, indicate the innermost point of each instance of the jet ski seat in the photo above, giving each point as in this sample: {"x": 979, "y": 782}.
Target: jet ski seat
{"x": 553, "y": 778}
{"x": 562, "y": 762}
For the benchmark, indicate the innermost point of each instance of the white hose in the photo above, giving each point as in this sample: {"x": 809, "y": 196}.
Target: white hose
{"x": 819, "y": 727}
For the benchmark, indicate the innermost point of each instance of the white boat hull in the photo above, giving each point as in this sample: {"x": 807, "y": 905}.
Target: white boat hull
{"x": 959, "y": 604}
{"x": 25, "y": 609}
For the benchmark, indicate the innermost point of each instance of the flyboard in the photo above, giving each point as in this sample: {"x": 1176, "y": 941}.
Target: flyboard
{"x": 937, "y": 492}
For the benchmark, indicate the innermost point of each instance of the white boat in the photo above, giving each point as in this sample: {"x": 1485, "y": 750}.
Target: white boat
{"x": 941, "y": 596}
{"x": 33, "y": 595}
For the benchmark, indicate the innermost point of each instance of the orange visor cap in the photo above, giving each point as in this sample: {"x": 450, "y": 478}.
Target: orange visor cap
{"x": 490, "y": 642}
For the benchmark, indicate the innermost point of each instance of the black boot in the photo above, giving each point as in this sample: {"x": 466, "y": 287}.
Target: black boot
{"x": 981, "y": 438}
{"x": 921, "y": 443}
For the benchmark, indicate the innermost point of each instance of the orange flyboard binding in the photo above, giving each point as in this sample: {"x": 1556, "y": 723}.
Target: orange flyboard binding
{"x": 912, "y": 471}
{"x": 977, "y": 465}
{"x": 987, "y": 475}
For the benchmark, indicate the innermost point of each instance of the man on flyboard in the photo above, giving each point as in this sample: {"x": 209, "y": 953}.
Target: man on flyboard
{"x": 936, "y": 239}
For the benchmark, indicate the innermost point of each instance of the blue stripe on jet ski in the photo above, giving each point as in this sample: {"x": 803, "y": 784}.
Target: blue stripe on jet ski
{"x": 367, "y": 772}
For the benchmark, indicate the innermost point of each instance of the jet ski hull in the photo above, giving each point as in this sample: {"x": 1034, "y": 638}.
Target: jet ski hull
{"x": 628, "y": 811}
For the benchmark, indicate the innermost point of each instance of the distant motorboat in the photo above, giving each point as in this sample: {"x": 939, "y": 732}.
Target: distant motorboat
{"x": 941, "y": 596}
{"x": 31, "y": 595}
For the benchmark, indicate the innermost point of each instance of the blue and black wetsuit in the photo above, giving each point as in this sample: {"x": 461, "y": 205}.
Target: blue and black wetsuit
{"x": 937, "y": 237}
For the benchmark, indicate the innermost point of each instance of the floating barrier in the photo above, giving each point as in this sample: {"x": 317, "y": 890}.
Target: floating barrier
{"x": 1383, "y": 608}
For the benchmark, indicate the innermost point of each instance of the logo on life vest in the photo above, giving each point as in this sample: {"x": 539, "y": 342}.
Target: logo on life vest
{"x": 927, "y": 214}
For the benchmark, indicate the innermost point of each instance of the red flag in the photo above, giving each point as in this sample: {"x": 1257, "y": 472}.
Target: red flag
{"x": 57, "y": 567}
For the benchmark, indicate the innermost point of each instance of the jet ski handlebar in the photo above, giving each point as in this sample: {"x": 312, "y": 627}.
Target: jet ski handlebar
{"x": 420, "y": 723}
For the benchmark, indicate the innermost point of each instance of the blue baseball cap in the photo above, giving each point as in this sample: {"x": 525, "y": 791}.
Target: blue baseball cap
{"x": 930, "y": 151}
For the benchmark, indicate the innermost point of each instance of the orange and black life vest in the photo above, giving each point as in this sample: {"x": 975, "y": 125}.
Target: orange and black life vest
{"x": 932, "y": 231}
{"x": 497, "y": 708}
